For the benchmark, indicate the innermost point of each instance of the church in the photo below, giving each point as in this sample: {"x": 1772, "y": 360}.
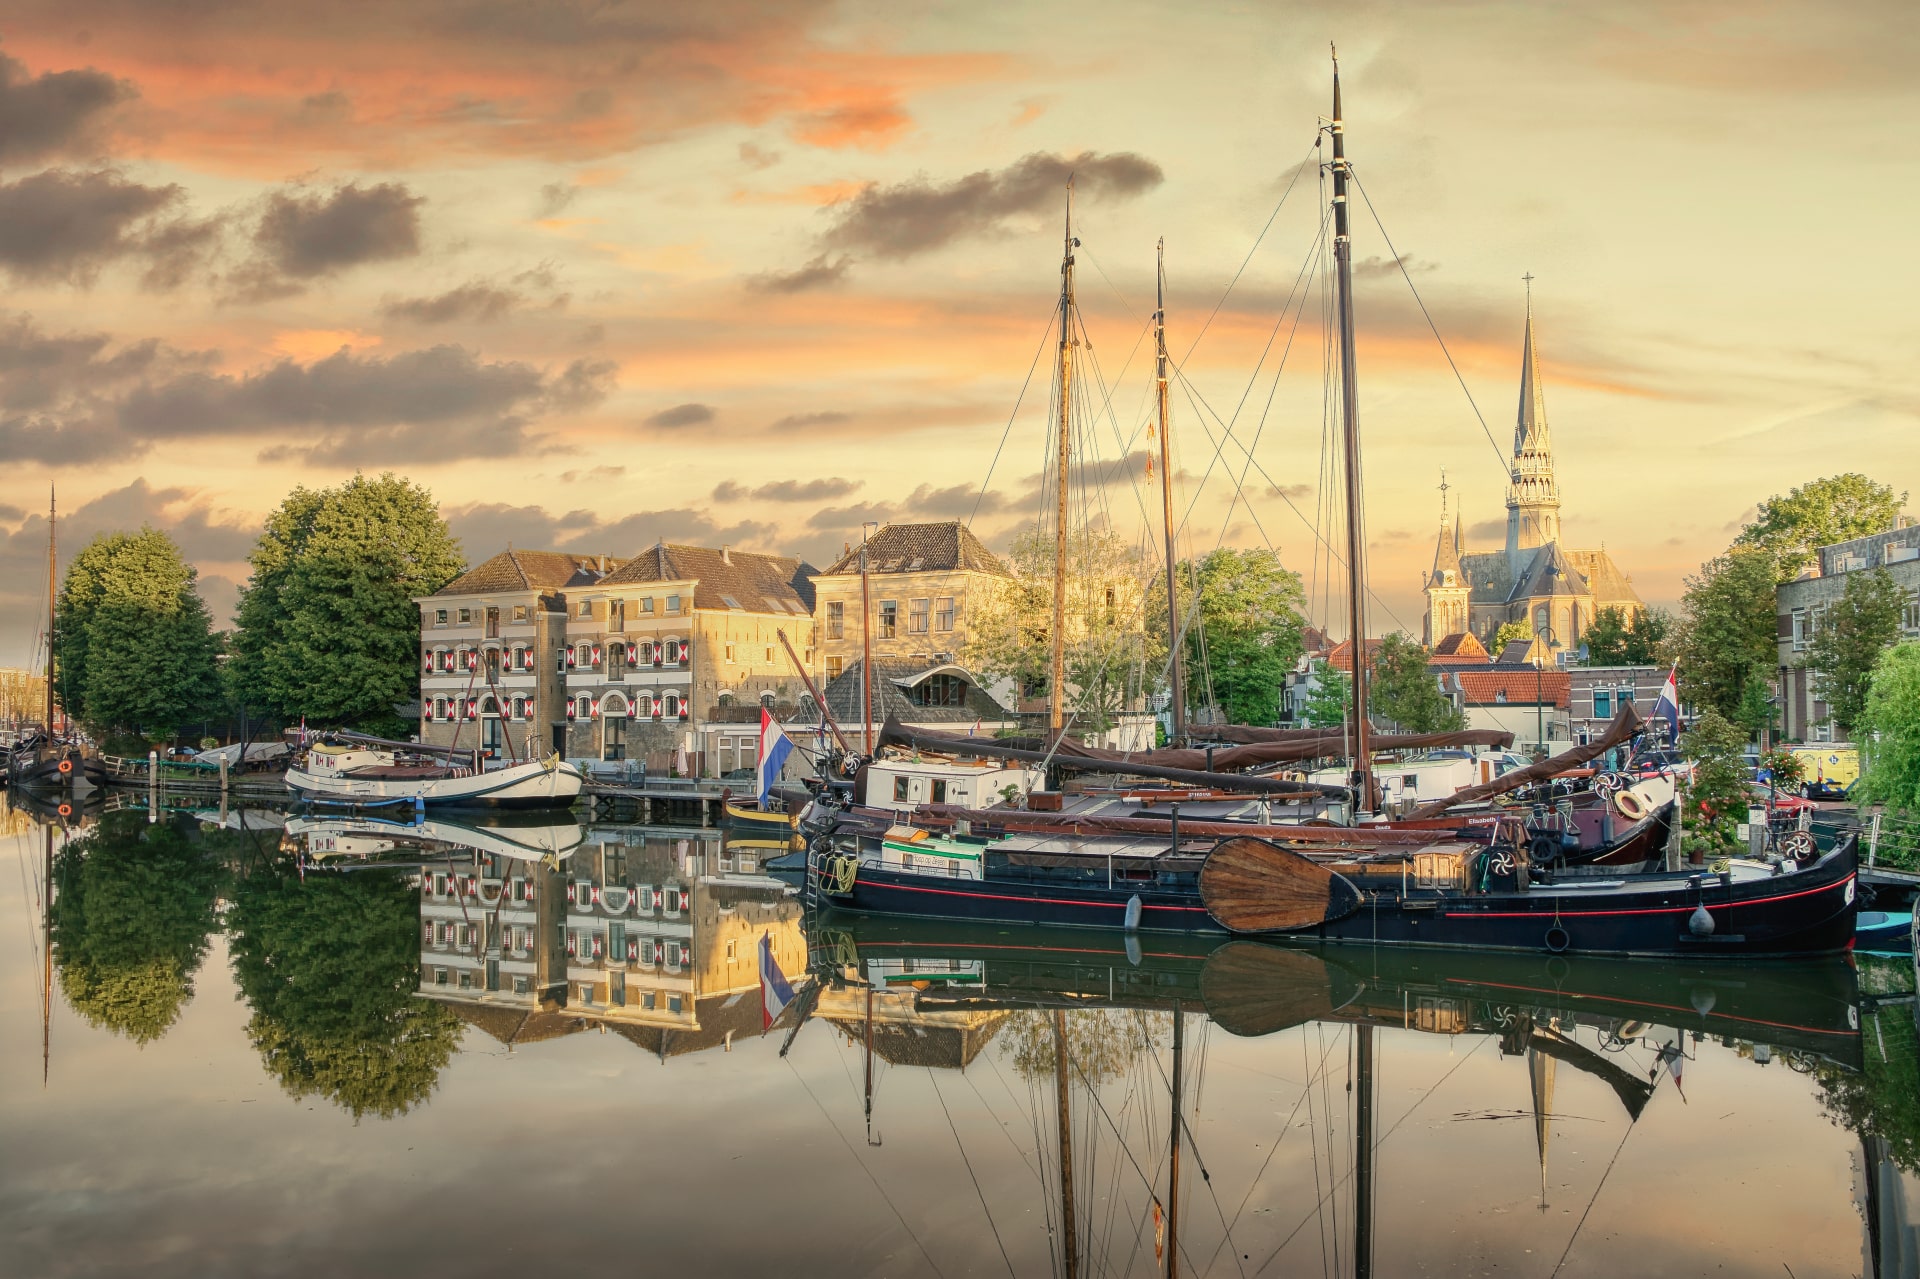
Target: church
{"x": 1533, "y": 579}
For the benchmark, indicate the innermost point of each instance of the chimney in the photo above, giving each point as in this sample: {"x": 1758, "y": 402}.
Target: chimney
{"x": 726, "y": 555}
{"x": 603, "y": 566}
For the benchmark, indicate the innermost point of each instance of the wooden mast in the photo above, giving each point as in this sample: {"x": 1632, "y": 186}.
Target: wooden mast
{"x": 1363, "y": 1154}
{"x": 46, "y": 965}
{"x": 1057, "y": 666}
{"x": 1178, "y": 669}
{"x": 1350, "y": 439}
{"x": 52, "y": 588}
{"x": 1063, "y": 1109}
{"x": 866, "y": 648}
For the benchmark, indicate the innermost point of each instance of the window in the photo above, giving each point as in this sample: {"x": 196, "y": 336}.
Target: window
{"x": 493, "y": 623}
{"x": 729, "y": 654}
{"x": 675, "y": 652}
{"x": 834, "y": 666}
{"x": 836, "y": 619}
{"x": 673, "y": 603}
{"x": 939, "y": 690}
{"x": 614, "y": 737}
{"x": 769, "y": 652}
{"x": 918, "y": 612}
{"x": 519, "y": 612}
{"x": 584, "y": 610}
{"x": 943, "y": 613}
{"x": 439, "y": 976}
{"x": 900, "y": 790}
{"x": 673, "y": 1003}
{"x": 646, "y": 605}
{"x": 1910, "y": 617}
{"x": 939, "y": 790}
{"x": 889, "y": 618}
{"x": 673, "y": 704}
{"x": 521, "y": 986}
{"x": 616, "y": 615}
{"x": 583, "y": 655}
{"x": 1602, "y": 704}
{"x": 439, "y": 617}
{"x": 560, "y": 661}
{"x": 731, "y": 954}
{"x": 616, "y": 661}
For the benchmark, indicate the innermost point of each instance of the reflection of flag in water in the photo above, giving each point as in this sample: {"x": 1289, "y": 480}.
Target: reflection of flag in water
{"x": 1668, "y": 707}
{"x": 775, "y": 746}
{"x": 775, "y": 993}
{"x": 1675, "y": 1060}
{"x": 974, "y": 729}
{"x": 1159, "y": 1232}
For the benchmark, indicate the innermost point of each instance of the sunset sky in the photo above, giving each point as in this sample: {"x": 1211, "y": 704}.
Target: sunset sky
{"x": 748, "y": 272}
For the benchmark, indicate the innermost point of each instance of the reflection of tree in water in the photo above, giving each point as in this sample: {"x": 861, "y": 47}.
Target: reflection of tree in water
{"x": 133, "y": 910}
{"x": 329, "y": 966}
{"x": 1101, "y": 1042}
{"x": 1884, "y": 1100}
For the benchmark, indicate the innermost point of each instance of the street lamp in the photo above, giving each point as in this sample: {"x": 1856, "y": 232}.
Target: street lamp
{"x": 1539, "y": 690}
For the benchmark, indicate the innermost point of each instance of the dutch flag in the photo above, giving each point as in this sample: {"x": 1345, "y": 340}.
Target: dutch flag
{"x": 775, "y": 746}
{"x": 775, "y": 992}
{"x": 1667, "y": 707}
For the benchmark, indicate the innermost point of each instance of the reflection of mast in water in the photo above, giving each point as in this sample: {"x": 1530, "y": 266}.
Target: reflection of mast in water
{"x": 1064, "y": 1107}
{"x": 1540, "y": 1068}
{"x": 1363, "y": 1152}
{"x": 46, "y": 956}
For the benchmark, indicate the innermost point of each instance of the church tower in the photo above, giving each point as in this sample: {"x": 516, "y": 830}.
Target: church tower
{"x": 1533, "y": 497}
{"x": 1447, "y": 588}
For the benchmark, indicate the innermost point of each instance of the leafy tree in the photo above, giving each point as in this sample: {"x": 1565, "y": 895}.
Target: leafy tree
{"x": 1612, "y": 639}
{"x": 1101, "y": 1042}
{"x": 133, "y": 910}
{"x": 1332, "y": 696}
{"x": 1407, "y": 693}
{"x": 1791, "y": 529}
{"x": 1718, "y": 792}
{"x": 328, "y": 627}
{"x": 1509, "y": 632}
{"x": 1724, "y": 641}
{"x": 1889, "y": 730}
{"x": 135, "y": 646}
{"x": 1109, "y": 649}
{"x": 1852, "y": 633}
{"x": 1880, "y": 1100}
{"x": 330, "y": 966}
{"x": 1250, "y": 624}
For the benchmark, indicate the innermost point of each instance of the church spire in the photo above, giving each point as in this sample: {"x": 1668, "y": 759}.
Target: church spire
{"x": 1533, "y": 496}
{"x": 1446, "y": 548}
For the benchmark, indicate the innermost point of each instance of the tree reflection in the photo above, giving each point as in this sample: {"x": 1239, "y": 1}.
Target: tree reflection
{"x": 133, "y": 909}
{"x": 1884, "y": 1099}
{"x": 329, "y": 966}
{"x": 1101, "y": 1042}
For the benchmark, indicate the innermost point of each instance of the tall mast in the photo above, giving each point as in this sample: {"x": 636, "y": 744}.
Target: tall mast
{"x": 866, "y": 649}
{"x": 1350, "y": 438}
{"x": 1166, "y": 494}
{"x": 52, "y": 586}
{"x": 1057, "y": 669}
{"x": 1363, "y": 1154}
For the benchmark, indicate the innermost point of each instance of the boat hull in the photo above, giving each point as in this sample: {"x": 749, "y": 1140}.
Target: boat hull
{"x": 751, "y": 823}
{"x": 879, "y": 891}
{"x": 532, "y": 785}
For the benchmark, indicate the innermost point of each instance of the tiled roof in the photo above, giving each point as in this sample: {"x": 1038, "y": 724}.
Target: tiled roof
{"x": 1461, "y": 646}
{"x": 1550, "y": 573}
{"x": 1341, "y": 658}
{"x": 510, "y": 1023}
{"x": 921, "y": 548}
{"x": 1521, "y": 688}
{"x": 936, "y": 1045}
{"x": 725, "y": 578}
{"x": 890, "y": 698}
{"x": 528, "y": 571}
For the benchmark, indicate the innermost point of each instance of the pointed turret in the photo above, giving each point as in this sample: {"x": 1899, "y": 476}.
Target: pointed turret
{"x": 1446, "y": 583}
{"x": 1533, "y": 496}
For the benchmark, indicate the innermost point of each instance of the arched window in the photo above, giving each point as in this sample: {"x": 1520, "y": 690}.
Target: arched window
{"x": 440, "y": 709}
{"x": 613, "y": 704}
{"x": 488, "y": 706}
{"x": 583, "y": 655}
{"x": 808, "y": 707}
{"x": 766, "y": 698}
{"x": 673, "y": 705}
{"x": 583, "y": 707}
{"x": 674, "y": 650}
{"x": 1542, "y": 620}
{"x": 646, "y": 653}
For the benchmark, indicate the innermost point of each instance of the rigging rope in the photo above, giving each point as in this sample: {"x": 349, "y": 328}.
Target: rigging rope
{"x": 979, "y": 1193}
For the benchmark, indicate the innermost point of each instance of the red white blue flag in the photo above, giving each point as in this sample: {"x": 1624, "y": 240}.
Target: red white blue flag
{"x": 775, "y": 746}
{"x": 1668, "y": 707}
{"x": 775, "y": 991}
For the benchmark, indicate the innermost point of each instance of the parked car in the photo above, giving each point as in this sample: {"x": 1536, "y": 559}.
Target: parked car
{"x": 1826, "y": 788}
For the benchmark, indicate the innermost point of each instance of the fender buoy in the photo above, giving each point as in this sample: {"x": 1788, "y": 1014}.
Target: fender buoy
{"x": 1631, "y": 806}
{"x": 1557, "y": 939}
{"x": 1543, "y": 849}
{"x": 66, "y": 766}
{"x": 66, "y": 810}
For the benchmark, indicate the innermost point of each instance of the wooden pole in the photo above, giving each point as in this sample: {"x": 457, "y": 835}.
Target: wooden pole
{"x": 1057, "y": 657}
{"x": 1178, "y": 668}
{"x": 1063, "y": 1107}
{"x": 818, "y": 700}
{"x": 866, "y": 648}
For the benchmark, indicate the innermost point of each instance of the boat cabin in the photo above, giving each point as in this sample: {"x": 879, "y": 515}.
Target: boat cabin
{"x": 906, "y": 783}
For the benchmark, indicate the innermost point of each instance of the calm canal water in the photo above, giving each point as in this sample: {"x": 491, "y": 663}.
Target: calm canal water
{"x": 539, "y": 1049}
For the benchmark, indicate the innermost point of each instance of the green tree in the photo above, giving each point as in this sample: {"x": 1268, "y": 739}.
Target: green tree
{"x": 135, "y": 645}
{"x": 328, "y": 627}
{"x": 1718, "y": 792}
{"x": 329, "y": 966}
{"x": 1109, "y": 650}
{"x": 1880, "y": 1100}
{"x": 1249, "y": 624}
{"x": 1509, "y": 632}
{"x": 1889, "y": 730}
{"x": 1852, "y": 633}
{"x": 1101, "y": 1043}
{"x": 1331, "y": 698}
{"x": 1614, "y": 640}
{"x": 1724, "y": 641}
{"x": 1406, "y": 692}
{"x": 1791, "y": 529}
{"x": 133, "y": 909}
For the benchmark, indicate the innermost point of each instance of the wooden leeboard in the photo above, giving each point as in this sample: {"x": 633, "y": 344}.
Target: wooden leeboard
{"x": 1255, "y": 988}
{"x": 1252, "y": 886}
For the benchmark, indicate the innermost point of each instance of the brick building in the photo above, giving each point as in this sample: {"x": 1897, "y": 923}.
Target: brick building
{"x": 1799, "y": 605}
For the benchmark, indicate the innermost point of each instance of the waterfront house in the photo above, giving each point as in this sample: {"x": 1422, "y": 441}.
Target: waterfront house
{"x": 672, "y": 654}
{"x": 491, "y": 645}
{"x": 924, "y": 580}
{"x": 1597, "y": 693}
{"x": 1529, "y": 702}
{"x": 1799, "y": 605}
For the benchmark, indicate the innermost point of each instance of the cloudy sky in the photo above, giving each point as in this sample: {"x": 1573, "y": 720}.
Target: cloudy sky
{"x": 752, "y": 272}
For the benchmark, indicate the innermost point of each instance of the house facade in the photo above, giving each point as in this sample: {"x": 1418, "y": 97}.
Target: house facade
{"x": 671, "y": 655}
{"x": 492, "y": 646}
{"x": 1529, "y": 702}
{"x": 1800, "y": 604}
{"x": 924, "y": 581}
{"x": 1597, "y": 693}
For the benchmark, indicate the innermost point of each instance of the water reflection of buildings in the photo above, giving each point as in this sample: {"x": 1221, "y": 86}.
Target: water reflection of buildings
{"x": 645, "y": 933}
